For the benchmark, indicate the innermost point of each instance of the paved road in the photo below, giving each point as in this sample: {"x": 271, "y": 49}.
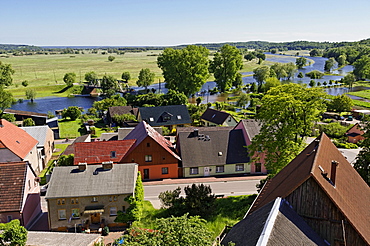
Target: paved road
{"x": 227, "y": 188}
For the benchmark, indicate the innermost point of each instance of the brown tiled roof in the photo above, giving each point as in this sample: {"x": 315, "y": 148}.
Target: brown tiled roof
{"x": 28, "y": 113}
{"x": 143, "y": 130}
{"x": 98, "y": 152}
{"x": 15, "y": 139}
{"x": 355, "y": 130}
{"x": 350, "y": 194}
{"x": 122, "y": 110}
{"x": 71, "y": 148}
{"x": 215, "y": 116}
{"x": 12, "y": 182}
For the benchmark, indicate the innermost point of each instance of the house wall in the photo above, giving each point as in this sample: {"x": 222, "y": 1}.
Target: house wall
{"x": 33, "y": 159}
{"x": 15, "y": 215}
{"x": 160, "y": 158}
{"x": 53, "y": 208}
{"x": 228, "y": 169}
{"x": 355, "y": 139}
{"x": 322, "y": 215}
{"x": 31, "y": 205}
{"x": 48, "y": 145}
{"x": 230, "y": 121}
{"x": 7, "y": 156}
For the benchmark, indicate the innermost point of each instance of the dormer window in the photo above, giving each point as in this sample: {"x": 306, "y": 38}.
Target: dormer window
{"x": 113, "y": 154}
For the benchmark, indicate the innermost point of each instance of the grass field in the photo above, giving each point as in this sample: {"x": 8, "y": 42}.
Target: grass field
{"x": 48, "y": 70}
{"x": 363, "y": 94}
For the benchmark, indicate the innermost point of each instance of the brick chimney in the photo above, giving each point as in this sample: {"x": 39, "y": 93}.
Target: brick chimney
{"x": 82, "y": 166}
{"x": 333, "y": 171}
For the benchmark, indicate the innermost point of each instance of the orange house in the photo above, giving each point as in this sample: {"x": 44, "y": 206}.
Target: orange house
{"x": 154, "y": 154}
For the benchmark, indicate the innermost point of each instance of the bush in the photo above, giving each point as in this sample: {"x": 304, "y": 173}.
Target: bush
{"x": 344, "y": 145}
{"x": 333, "y": 130}
{"x": 105, "y": 231}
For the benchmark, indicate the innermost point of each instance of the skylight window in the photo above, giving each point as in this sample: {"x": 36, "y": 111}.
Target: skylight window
{"x": 179, "y": 117}
{"x": 151, "y": 119}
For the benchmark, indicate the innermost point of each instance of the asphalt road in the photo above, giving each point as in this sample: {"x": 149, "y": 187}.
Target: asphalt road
{"x": 227, "y": 188}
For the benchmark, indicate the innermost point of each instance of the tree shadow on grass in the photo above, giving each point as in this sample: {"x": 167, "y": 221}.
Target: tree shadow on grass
{"x": 62, "y": 90}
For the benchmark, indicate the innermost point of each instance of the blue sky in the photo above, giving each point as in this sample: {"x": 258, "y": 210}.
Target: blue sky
{"x": 174, "y": 22}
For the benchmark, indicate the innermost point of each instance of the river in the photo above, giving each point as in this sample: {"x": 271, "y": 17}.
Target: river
{"x": 44, "y": 105}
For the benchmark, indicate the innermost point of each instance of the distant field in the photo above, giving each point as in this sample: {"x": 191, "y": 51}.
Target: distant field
{"x": 363, "y": 94}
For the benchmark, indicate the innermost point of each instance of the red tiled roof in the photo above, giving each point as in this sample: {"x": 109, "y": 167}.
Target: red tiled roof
{"x": 15, "y": 139}
{"x": 143, "y": 130}
{"x": 97, "y": 152}
{"x": 355, "y": 129}
{"x": 350, "y": 194}
{"x": 12, "y": 182}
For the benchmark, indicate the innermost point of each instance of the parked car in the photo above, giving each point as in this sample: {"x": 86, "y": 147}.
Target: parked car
{"x": 350, "y": 118}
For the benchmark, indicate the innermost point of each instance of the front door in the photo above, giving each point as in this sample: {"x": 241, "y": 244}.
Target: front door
{"x": 146, "y": 173}
{"x": 206, "y": 171}
{"x": 95, "y": 218}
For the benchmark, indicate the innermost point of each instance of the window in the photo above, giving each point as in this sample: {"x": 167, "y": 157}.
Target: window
{"x": 61, "y": 201}
{"x": 220, "y": 169}
{"x": 113, "y": 198}
{"x": 147, "y": 144}
{"x": 123, "y": 209}
{"x": 229, "y": 118}
{"x": 151, "y": 119}
{"x": 179, "y": 117}
{"x": 62, "y": 214}
{"x": 29, "y": 184}
{"x": 113, "y": 211}
{"x": 76, "y": 201}
{"x": 72, "y": 201}
{"x": 148, "y": 158}
{"x": 164, "y": 170}
{"x": 257, "y": 167}
{"x": 9, "y": 218}
{"x": 94, "y": 199}
{"x": 75, "y": 213}
{"x": 166, "y": 117}
{"x": 239, "y": 167}
{"x": 113, "y": 154}
{"x": 194, "y": 170}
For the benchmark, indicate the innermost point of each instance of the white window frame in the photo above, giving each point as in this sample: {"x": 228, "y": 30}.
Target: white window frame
{"x": 62, "y": 214}
{"x": 113, "y": 211}
{"x": 220, "y": 169}
{"x": 194, "y": 170}
{"x": 238, "y": 169}
{"x": 148, "y": 158}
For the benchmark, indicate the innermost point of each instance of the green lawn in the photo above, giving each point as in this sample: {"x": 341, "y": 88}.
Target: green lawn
{"x": 71, "y": 129}
{"x": 229, "y": 211}
{"x": 363, "y": 94}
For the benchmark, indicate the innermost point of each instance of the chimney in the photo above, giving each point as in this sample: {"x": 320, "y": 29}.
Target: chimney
{"x": 333, "y": 171}
{"x": 82, "y": 166}
{"x": 107, "y": 165}
{"x": 195, "y": 133}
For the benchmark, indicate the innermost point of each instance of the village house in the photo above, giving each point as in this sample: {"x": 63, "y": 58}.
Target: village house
{"x": 326, "y": 191}
{"x": 155, "y": 155}
{"x": 354, "y": 134}
{"x": 121, "y": 110}
{"x": 276, "y": 223}
{"x": 17, "y": 145}
{"x": 20, "y": 193}
{"x": 45, "y": 137}
{"x": 212, "y": 117}
{"x": 210, "y": 151}
{"x": 171, "y": 116}
{"x": 89, "y": 196}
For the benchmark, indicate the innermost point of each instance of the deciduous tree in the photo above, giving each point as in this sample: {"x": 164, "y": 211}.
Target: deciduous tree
{"x": 111, "y": 58}
{"x": 349, "y": 79}
{"x": 225, "y": 66}
{"x": 340, "y": 103}
{"x": 28, "y": 122}
{"x": 91, "y": 77}
{"x": 31, "y": 94}
{"x": 109, "y": 85}
{"x": 72, "y": 112}
{"x": 362, "y": 164}
{"x": 185, "y": 70}
{"x": 126, "y": 76}
{"x": 145, "y": 78}
{"x": 362, "y": 68}
{"x": 301, "y": 62}
{"x": 173, "y": 97}
{"x": 260, "y": 74}
{"x": 6, "y": 100}
{"x": 329, "y": 64}
{"x": 287, "y": 114}
{"x": 69, "y": 79}
{"x": 13, "y": 234}
{"x": 6, "y": 72}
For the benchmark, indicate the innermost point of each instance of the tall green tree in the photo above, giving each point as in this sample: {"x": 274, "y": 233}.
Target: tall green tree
{"x": 28, "y": 122}
{"x": 225, "y": 66}
{"x": 300, "y": 62}
{"x": 104, "y": 104}
{"x": 6, "y": 100}
{"x": 342, "y": 59}
{"x": 145, "y": 78}
{"x": 69, "y": 79}
{"x": 287, "y": 114}
{"x": 271, "y": 82}
{"x": 260, "y": 74}
{"x": 111, "y": 58}
{"x": 72, "y": 112}
{"x": 172, "y": 231}
{"x": 109, "y": 85}
{"x": 6, "y": 72}
{"x": 349, "y": 79}
{"x": 340, "y": 103}
{"x": 31, "y": 94}
{"x": 185, "y": 70}
{"x": 126, "y": 76}
{"x": 329, "y": 64}
{"x": 362, "y": 68}
{"x": 362, "y": 164}
{"x": 173, "y": 97}
{"x": 91, "y": 77}
{"x": 13, "y": 234}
